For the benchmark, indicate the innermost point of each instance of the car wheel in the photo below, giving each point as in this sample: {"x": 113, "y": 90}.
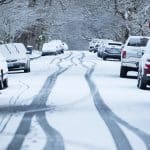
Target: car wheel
{"x": 1, "y": 85}
{"x": 98, "y": 54}
{"x": 5, "y": 83}
{"x": 27, "y": 67}
{"x": 141, "y": 81}
{"x": 95, "y": 51}
{"x": 123, "y": 72}
{"x": 1, "y": 80}
{"x": 43, "y": 54}
{"x": 104, "y": 57}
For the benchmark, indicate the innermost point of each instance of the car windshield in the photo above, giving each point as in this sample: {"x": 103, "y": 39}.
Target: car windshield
{"x": 138, "y": 42}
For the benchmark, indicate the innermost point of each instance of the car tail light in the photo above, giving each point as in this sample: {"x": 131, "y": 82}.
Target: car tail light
{"x": 124, "y": 53}
{"x": 147, "y": 64}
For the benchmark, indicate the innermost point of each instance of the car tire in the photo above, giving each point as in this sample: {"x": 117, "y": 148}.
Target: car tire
{"x": 104, "y": 57}
{"x": 1, "y": 80}
{"x": 27, "y": 67}
{"x": 123, "y": 72}
{"x": 141, "y": 81}
{"x": 98, "y": 54}
{"x": 43, "y": 54}
{"x": 95, "y": 51}
{"x": 1, "y": 85}
{"x": 5, "y": 83}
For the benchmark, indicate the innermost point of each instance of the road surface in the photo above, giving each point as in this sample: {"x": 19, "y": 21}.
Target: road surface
{"x": 74, "y": 101}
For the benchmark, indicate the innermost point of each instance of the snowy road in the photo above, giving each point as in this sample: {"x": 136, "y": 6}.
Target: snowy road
{"x": 74, "y": 101}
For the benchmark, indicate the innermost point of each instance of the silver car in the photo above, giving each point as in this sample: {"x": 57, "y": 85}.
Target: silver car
{"x": 144, "y": 70}
{"x": 132, "y": 52}
{"x": 16, "y": 57}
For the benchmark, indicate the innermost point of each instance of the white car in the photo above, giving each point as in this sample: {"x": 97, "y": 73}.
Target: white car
{"x": 3, "y": 72}
{"x": 132, "y": 52}
{"x": 16, "y": 57}
{"x": 54, "y": 47}
{"x": 64, "y": 47}
{"x": 94, "y": 44}
{"x": 144, "y": 70}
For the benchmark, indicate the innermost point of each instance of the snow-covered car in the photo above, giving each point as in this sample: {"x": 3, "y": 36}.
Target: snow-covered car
{"x": 54, "y": 47}
{"x": 16, "y": 57}
{"x": 144, "y": 70}
{"x": 94, "y": 44}
{"x": 3, "y": 72}
{"x": 112, "y": 50}
{"x": 64, "y": 47}
{"x": 132, "y": 52}
{"x": 102, "y": 45}
{"x": 29, "y": 49}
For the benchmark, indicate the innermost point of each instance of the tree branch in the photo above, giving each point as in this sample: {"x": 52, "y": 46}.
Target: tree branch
{"x": 5, "y": 1}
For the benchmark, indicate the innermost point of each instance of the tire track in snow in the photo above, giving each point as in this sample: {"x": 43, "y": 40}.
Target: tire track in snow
{"x": 13, "y": 101}
{"x": 54, "y": 139}
{"x": 141, "y": 134}
{"x": 119, "y": 137}
{"x": 56, "y": 58}
{"x": 78, "y": 58}
{"x": 40, "y": 101}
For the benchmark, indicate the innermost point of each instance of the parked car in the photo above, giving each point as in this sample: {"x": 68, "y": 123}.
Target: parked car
{"x": 3, "y": 72}
{"x": 94, "y": 44}
{"x": 16, "y": 57}
{"x": 102, "y": 45}
{"x": 112, "y": 50}
{"x": 64, "y": 47}
{"x": 29, "y": 49}
{"x": 54, "y": 47}
{"x": 49, "y": 49}
{"x": 132, "y": 52}
{"x": 144, "y": 70}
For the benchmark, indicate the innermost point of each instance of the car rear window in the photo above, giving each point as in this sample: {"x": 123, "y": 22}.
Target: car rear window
{"x": 138, "y": 42}
{"x": 117, "y": 44}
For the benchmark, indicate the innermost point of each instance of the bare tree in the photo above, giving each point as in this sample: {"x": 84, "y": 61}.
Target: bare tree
{"x": 32, "y": 3}
{"x": 5, "y": 1}
{"x": 47, "y": 2}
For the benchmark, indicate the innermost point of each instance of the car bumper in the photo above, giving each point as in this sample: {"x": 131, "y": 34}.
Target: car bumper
{"x": 131, "y": 64}
{"x": 16, "y": 66}
{"x": 112, "y": 55}
{"x": 49, "y": 53}
{"x": 147, "y": 77}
